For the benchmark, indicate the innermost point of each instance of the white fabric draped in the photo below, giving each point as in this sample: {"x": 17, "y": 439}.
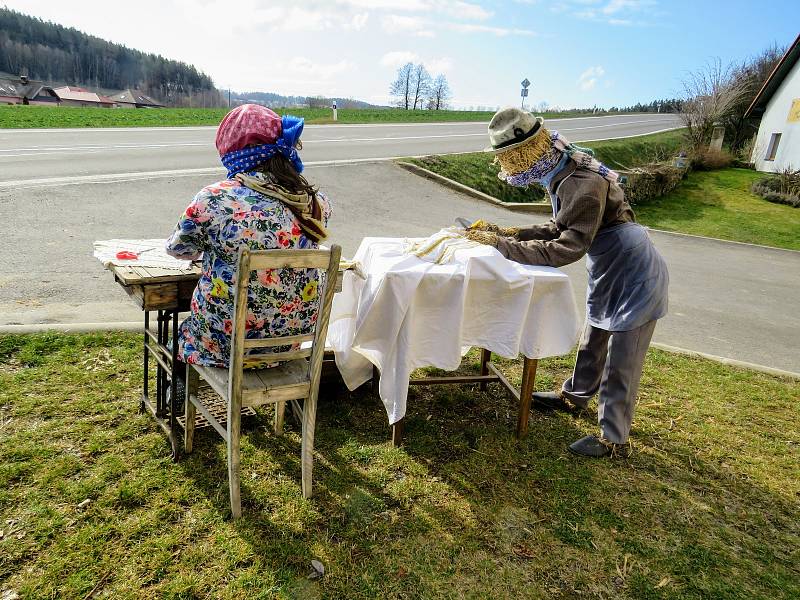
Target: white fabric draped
{"x": 409, "y": 313}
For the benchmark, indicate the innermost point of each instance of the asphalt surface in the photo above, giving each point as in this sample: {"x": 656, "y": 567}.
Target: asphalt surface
{"x": 38, "y": 153}
{"x": 726, "y": 299}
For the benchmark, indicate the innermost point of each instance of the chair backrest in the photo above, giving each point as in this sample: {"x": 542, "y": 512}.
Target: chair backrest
{"x": 257, "y": 260}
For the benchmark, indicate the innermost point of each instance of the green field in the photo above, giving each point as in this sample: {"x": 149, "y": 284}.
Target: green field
{"x": 16, "y": 117}
{"x": 720, "y": 204}
{"x": 477, "y": 171}
{"x": 706, "y": 507}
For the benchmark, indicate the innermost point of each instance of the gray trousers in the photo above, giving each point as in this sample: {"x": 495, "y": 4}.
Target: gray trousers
{"x": 610, "y": 362}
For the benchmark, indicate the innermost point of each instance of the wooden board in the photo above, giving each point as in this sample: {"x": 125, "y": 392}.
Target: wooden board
{"x": 134, "y": 275}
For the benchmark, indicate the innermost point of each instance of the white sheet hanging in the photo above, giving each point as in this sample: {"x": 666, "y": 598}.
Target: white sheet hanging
{"x": 409, "y": 313}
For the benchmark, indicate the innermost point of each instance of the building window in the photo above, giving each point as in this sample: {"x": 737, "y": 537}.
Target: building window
{"x": 772, "y": 149}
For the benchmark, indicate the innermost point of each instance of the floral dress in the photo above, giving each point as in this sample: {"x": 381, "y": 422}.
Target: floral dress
{"x": 222, "y": 218}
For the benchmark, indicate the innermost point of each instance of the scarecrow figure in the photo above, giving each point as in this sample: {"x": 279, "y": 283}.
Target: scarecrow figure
{"x": 628, "y": 278}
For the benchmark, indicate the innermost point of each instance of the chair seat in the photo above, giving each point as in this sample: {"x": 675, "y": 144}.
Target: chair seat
{"x": 287, "y": 381}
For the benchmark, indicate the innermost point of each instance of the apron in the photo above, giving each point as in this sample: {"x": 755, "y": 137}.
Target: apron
{"x": 628, "y": 279}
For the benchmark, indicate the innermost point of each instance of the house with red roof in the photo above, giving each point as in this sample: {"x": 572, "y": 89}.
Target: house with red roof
{"x": 78, "y": 96}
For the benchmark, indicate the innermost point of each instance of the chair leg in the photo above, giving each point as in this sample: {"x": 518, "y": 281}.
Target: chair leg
{"x": 307, "y": 447}
{"x": 280, "y": 409}
{"x": 192, "y": 384}
{"x": 234, "y": 428}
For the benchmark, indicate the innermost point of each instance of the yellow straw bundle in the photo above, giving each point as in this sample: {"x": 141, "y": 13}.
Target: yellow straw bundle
{"x": 521, "y": 158}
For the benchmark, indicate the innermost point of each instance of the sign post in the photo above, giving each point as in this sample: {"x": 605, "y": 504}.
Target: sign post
{"x": 335, "y": 116}
{"x": 524, "y": 93}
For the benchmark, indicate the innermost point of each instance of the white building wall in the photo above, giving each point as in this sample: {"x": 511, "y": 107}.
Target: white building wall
{"x": 776, "y": 120}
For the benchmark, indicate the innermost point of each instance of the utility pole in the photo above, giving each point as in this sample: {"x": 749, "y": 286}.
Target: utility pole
{"x": 229, "y": 96}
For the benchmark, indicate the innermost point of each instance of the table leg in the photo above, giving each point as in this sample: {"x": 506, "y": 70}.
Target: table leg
{"x": 486, "y": 356}
{"x": 173, "y": 382}
{"x": 397, "y": 433}
{"x": 146, "y": 366}
{"x": 526, "y": 395}
{"x": 160, "y": 374}
{"x": 376, "y": 379}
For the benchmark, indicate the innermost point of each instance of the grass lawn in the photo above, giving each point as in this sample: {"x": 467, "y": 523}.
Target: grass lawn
{"x": 478, "y": 171}
{"x": 707, "y": 506}
{"x": 719, "y": 204}
{"x": 16, "y": 117}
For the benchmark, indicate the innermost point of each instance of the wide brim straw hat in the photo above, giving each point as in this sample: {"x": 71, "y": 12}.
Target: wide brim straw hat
{"x": 511, "y": 128}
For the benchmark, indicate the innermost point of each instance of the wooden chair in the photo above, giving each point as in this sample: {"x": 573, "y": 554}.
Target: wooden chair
{"x": 294, "y": 380}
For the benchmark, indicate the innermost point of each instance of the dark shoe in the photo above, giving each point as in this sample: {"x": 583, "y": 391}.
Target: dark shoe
{"x": 594, "y": 447}
{"x": 550, "y": 401}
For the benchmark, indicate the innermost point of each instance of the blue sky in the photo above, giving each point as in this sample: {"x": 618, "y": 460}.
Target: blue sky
{"x": 575, "y": 52}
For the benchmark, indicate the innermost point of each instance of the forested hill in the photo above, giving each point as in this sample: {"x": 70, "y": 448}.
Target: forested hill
{"x": 54, "y": 53}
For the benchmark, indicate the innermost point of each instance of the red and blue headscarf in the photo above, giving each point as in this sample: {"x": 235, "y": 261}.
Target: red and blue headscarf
{"x": 250, "y": 134}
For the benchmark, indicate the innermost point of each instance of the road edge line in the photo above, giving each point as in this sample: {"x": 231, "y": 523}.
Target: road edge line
{"x": 731, "y": 362}
{"x": 713, "y": 239}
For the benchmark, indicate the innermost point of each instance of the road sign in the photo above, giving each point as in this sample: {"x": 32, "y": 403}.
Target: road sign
{"x": 524, "y": 92}
{"x": 526, "y": 83}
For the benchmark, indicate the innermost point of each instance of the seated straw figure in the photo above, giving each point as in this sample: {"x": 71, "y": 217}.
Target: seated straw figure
{"x": 265, "y": 203}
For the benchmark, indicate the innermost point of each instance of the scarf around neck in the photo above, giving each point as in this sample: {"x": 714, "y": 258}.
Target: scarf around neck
{"x": 305, "y": 207}
{"x": 583, "y": 157}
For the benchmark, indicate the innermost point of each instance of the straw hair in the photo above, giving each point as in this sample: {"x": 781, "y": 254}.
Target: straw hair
{"x": 520, "y": 159}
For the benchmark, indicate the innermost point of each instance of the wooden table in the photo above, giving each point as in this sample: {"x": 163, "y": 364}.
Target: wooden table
{"x": 167, "y": 292}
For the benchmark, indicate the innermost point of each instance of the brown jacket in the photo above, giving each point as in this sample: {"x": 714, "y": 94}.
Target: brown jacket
{"x": 588, "y": 202}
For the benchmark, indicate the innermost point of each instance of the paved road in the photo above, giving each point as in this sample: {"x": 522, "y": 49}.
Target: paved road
{"x": 732, "y": 300}
{"x": 34, "y": 154}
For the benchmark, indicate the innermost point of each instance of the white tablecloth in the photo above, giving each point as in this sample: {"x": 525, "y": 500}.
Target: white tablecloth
{"x": 408, "y": 313}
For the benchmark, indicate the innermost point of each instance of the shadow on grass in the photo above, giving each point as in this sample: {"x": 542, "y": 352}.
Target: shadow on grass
{"x": 462, "y": 488}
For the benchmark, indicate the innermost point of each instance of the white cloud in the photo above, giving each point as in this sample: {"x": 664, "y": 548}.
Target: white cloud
{"x": 612, "y": 12}
{"x": 397, "y": 59}
{"x": 465, "y": 10}
{"x": 423, "y": 27}
{"x": 307, "y": 68}
{"x": 615, "y": 6}
{"x": 409, "y": 5}
{"x": 438, "y": 66}
{"x": 498, "y": 31}
{"x": 590, "y": 77}
{"x": 358, "y": 22}
{"x": 435, "y": 66}
{"x": 403, "y": 24}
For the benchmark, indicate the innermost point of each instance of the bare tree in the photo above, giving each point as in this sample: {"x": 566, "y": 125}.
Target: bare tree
{"x": 751, "y": 74}
{"x": 711, "y": 95}
{"x": 439, "y": 94}
{"x": 402, "y": 87}
{"x": 421, "y": 83}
